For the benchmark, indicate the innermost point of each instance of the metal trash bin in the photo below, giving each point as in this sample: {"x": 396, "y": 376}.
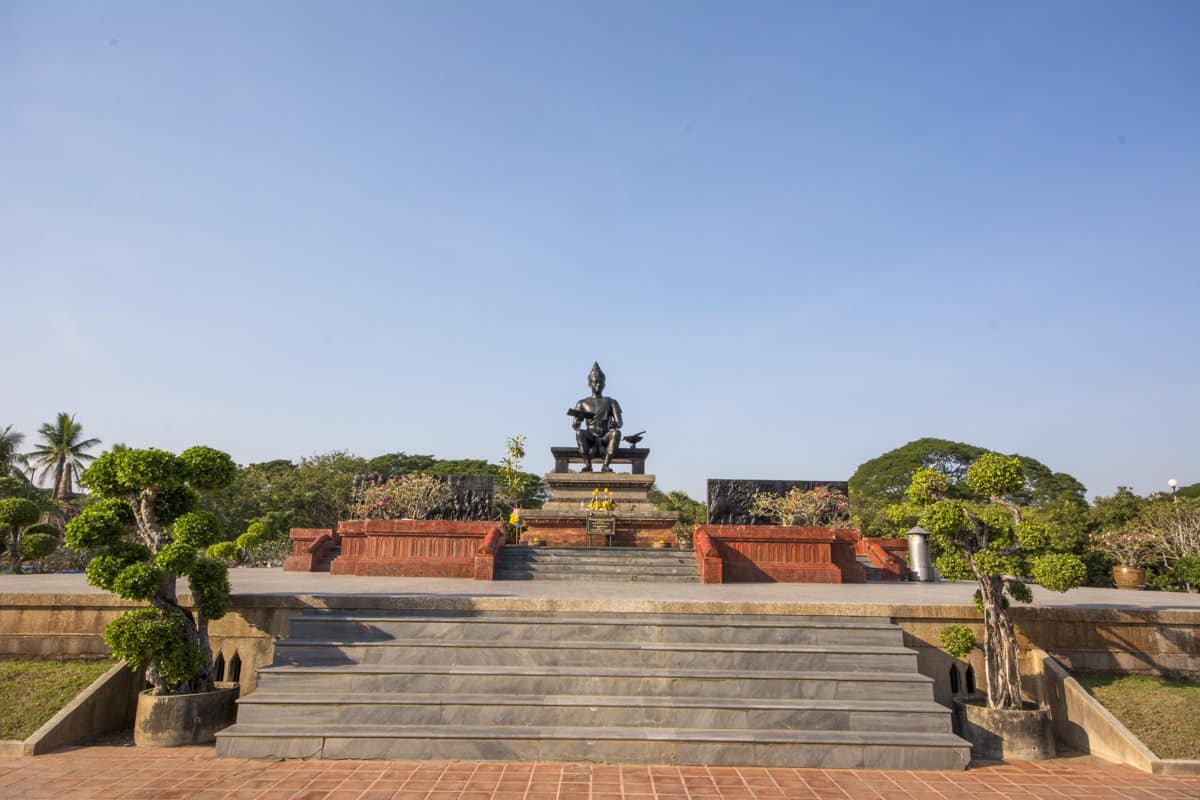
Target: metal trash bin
{"x": 919, "y": 566}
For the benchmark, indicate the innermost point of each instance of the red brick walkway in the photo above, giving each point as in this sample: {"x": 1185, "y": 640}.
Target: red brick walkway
{"x": 125, "y": 773}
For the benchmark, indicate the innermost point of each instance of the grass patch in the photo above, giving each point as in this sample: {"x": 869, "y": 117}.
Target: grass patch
{"x": 1163, "y": 712}
{"x": 31, "y": 692}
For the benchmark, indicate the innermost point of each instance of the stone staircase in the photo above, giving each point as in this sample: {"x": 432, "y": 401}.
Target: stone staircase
{"x": 597, "y": 564}
{"x": 632, "y": 688}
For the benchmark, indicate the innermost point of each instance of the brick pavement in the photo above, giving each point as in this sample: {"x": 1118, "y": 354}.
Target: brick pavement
{"x": 125, "y": 773}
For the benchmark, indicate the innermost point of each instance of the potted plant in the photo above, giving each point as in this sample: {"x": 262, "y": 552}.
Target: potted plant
{"x": 1131, "y": 550}
{"x": 990, "y": 539}
{"x": 147, "y": 534}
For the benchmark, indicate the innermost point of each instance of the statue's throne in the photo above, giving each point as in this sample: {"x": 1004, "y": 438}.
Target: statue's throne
{"x": 634, "y": 456}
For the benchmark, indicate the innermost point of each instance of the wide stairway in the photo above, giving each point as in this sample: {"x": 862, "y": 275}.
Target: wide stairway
{"x": 734, "y": 690}
{"x": 597, "y": 564}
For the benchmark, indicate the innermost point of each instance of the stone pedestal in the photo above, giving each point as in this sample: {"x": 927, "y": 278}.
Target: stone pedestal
{"x": 562, "y": 521}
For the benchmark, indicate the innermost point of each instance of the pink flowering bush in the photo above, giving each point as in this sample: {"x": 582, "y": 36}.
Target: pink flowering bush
{"x": 406, "y": 497}
{"x": 1129, "y": 549}
{"x": 821, "y": 506}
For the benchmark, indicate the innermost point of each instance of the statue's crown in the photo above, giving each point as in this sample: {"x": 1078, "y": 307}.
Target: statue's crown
{"x": 596, "y": 373}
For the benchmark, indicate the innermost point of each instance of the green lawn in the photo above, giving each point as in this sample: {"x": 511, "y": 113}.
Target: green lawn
{"x": 31, "y": 692}
{"x": 1163, "y": 713}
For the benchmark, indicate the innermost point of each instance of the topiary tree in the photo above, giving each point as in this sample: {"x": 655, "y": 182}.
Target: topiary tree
{"x": 17, "y": 515}
{"x": 38, "y": 541}
{"x": 994, "y": 543}
{"x": 148, "y": 534}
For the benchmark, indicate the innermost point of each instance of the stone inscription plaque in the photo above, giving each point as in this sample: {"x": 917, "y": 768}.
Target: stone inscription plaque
{"x": 601, "y": 526}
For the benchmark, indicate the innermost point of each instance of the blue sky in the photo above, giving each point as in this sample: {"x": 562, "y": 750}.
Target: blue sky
{"x": 794, "y": 235}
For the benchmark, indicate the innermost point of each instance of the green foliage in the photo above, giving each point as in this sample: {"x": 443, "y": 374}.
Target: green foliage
{"x": 1058, "y": 571}
{"x": 994, "y": 475}
{"x": 209, "y": 581}
{"x": 957, "y": 640}
{"x": 16, "y": 512}
{"x": 223, "y": 551}
{"x": 197, "y": 529}
{"x": 691, "y": 512}
{"x": 101, "y": 524}
{"x": 102, "y": 477}
{"x": 176, "y": 558}
{"x": 11, "y": 487}
{"x": 139, "y": 469}
{"x": 952, "y": 565}
{"x": 175, "y": 501}
{"x": 927, "y": 486}
{"x": 248, "y": 540}
{"x": 1018, "y": 590}
{"x": 148, "y": 635}
{"x": 207, "y": 469}
{"x": 138, "y": 581}
{"x": 881, "y": 482}
{"x": 37, "y": 545}
{"x": 1191, "y": 492}
{"x": 947, "y": 521}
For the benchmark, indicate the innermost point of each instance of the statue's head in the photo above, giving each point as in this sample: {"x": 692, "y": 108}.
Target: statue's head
{"x": 596, "y": 378}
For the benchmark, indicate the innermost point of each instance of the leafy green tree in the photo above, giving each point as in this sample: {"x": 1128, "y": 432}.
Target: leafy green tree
{"x": 16, "y": 516}
{"x": 995, "y": 542}
{"x": 147, "y": 533}
{"x": 1189, "y": 492}
{"x": 10, "y": 443}
{"x": 62, "y": 453}
{"x": 691, "y": 512}
{"x": 882, "y": 481}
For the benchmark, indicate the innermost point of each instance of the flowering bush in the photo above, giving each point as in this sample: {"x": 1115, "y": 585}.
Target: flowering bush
{"x": 602, "y": 501}
{"x": 406, "y": 497}
{"x": 1132, "y": 549}
{"x": 820, "y": 506}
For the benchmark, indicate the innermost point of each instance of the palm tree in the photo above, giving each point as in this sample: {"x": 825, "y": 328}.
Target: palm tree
{"x": 61, "y": 453}
{"x": 10, "y": 440}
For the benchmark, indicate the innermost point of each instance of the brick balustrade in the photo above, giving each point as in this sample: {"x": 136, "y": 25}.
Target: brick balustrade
{"x": 783, "y": 553}
{"x": 309, "y": 547}
{"x": 430, "y": 548}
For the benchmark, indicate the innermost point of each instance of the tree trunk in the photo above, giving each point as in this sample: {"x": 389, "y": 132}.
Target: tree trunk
{"x": 14, "y": 550}
{"x": 999, "y": 647}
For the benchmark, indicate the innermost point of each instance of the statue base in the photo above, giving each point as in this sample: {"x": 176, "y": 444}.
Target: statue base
{"x": 563, "y": 520}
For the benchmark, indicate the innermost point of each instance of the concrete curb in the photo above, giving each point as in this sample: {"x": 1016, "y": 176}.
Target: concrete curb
{"x": 105, "y": 705}
{"x": 1083, "y": 723}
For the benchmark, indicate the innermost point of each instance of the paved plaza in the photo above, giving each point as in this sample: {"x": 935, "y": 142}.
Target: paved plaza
{"x": 275, "y": 581}
{"x": 126, "y": 773}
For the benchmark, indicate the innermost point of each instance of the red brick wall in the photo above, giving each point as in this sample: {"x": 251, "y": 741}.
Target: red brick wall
{"x": 411, "y": 548}
{"x": 571, "y": 532}
{"x": 784, "y": 553}
{"x": 309, "y": 546}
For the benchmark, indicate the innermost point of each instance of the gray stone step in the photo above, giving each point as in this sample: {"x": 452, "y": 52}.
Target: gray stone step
{"x": 605, "y": 563}
{"x": 719, "y": 747}
{"x": 552, "y": 711}
{"x": 744, "y": 629}
{"x": 638, "y": 688}
{"x": 578, "y": 575}
{"x": 545, "y": 680}
{"x": 810, "y": 657}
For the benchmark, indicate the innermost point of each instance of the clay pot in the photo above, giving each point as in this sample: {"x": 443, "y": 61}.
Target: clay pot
{"x": 1129, "y": 577}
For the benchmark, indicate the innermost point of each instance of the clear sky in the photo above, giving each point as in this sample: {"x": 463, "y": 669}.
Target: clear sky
{"x": 795, "y": 235}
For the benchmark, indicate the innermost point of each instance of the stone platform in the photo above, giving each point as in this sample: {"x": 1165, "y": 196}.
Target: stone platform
{"x": 562, "y": 521}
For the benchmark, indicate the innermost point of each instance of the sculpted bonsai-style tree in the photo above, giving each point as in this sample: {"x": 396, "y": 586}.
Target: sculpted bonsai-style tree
{"x": 149, "y": 534}
{"x": 998, "y": 544}
{"x": 26, "y": 539}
